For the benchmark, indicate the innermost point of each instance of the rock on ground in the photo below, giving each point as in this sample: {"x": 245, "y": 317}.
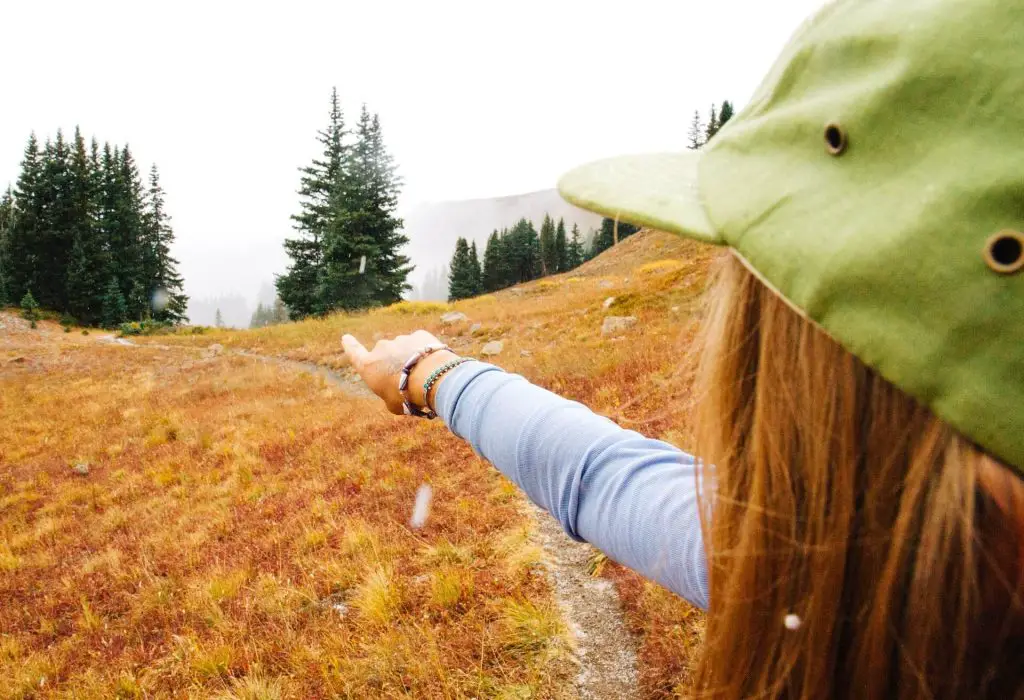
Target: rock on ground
{"x": 617, "y": 324}
{"x": 475, "y": 328}
{"x": 608, "y": 303}
{"x": 493, "y": 348}
{"x": 452, "y": 317}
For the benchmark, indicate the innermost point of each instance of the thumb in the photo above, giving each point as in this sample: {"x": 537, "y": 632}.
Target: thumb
{"x": 354, "y": 350}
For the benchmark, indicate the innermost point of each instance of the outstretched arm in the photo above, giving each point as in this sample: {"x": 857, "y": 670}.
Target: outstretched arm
{"x": 631, "y": 497}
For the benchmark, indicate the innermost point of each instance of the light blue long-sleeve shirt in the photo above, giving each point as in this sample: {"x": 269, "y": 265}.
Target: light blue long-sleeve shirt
{"x": 631, "y": 497}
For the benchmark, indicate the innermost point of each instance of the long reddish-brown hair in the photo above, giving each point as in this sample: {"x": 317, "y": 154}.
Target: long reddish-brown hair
{"x": 840, "y": 500}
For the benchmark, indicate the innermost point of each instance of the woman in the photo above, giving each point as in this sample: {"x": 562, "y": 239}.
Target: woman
{"x": 855, "y": 525}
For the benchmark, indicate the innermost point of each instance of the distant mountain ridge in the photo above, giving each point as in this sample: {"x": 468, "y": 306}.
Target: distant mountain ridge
{"x": 433, "y": 228}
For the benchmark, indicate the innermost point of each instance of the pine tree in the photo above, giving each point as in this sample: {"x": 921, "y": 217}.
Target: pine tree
{"x": 460, "y": 276}
{"x": 561, "y": 248}
{"x": 725, "y": 114}
{"x": 87, "y": 269}
{"x": 258, "y": 319}
{"x": 279, "y": 313}
{"x": 697, "y": 132}
{"x": 115, "y": 311}
{"x": 25, "y": 249}
{"x": 712, "y": 126}
{"x": 521, "y": 250}
{"x": 299, "y": 286}
{"x": 548, "y": 254}
{"x": 30, "y": 308}
{"x": 56, "y": 224}
{"x": 575, "y": 252}
{"x": 169, "y": 302}
{"x": 605, "y": 237}
{"x": 494, "y": 274}
{"x": 477, "y": 273}
{"x": 361, "y": 247}
{"x": 218, "y": 320}
{"x": 6, "y": 223}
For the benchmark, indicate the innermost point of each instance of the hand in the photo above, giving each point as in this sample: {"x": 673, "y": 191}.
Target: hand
{"x": 381, "y": 368}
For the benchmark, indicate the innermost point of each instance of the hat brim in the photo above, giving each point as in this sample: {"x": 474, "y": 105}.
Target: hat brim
{"x": 659, "y": 190}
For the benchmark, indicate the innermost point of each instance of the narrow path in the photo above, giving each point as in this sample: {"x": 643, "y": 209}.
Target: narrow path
{"x": 605, "y": 651}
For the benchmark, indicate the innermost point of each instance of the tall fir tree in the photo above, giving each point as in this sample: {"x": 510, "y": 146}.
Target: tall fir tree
{"x": 561, "y": 248}
{"x": 696, "y": 134}
{"x": 725, "y": 114}
{"x": 299, "y": 285}
{"x": 218, "y": 320}
{"x": 6, "y": 223}
{"x": 605, "y": 237}
{"x": 461, "y": 279}
{"x": 88, "y": 265}
{"x": 115, "y": 311}
{"x": 576, "y": 252}
{"x": 548, "y": 254}
{"x": 168, "y": 299}
{"x": 712, "y": 126}
{"x": 26, "y": 250}
{"x": 522, "y": 252}
{"x": 56, "y": 230}
{"x": 391, "y": 268}
{"x": 494, "y": 273}
{"x": 478, "y": 275}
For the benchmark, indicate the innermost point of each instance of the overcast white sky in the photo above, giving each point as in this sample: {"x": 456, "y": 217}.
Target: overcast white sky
{"x": 477, "y": 99}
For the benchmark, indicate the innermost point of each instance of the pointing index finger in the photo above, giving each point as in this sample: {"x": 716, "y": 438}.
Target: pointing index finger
{"x": 355, "y": 351}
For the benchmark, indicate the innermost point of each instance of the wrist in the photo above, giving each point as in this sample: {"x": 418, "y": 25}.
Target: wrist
{"x": 422, "y": 371}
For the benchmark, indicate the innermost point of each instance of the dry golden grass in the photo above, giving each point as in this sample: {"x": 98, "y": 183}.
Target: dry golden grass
{"x": 242, "y": 531}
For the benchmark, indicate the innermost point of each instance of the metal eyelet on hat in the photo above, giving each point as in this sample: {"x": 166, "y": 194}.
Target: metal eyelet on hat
{"x": 1004, "y": 252}
{"x": 836, "y": 139}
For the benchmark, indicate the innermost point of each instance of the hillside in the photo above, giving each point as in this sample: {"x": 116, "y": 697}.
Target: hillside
{"x": 433, "y": 228}
{"x": 200, "y": 516}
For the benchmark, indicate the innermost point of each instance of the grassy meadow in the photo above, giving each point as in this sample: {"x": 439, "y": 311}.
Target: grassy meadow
{"x": 176, "y": 522}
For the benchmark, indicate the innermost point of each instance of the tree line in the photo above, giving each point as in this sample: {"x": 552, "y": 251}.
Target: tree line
{"x": 80, "y": 234}
{"x": 347, "y": 251}
{"x": 268, "y": 314}
{"x": 514, "y": 255}
{"x": 702, "y": 131}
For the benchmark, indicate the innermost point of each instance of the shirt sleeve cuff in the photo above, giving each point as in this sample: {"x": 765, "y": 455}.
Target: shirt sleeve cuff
{"x": 454, "y": 384}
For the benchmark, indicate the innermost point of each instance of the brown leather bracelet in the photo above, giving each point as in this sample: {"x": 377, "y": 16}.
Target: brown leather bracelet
{"x": 403, "y": 382}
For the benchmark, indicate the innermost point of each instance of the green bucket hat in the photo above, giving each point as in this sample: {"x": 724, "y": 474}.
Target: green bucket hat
{"x": 876, "y": 182}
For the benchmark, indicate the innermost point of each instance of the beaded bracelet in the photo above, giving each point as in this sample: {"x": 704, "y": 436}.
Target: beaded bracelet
{"x": 440, "y": 372}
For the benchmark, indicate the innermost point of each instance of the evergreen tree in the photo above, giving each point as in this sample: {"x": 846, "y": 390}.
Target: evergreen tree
{"x": 169, "y": 302}
{"x": 725, "y": 114}
{"x": 6, "y": 223}
{"x": 88, "y": 266}
{"x": 561, "y": 248}
{"x": 494, "y": 272}
{"x": 30, "y": 308}
{"x": 25, "y": 249}
{"x": 697, "y": 132}
{"x": 521, "y": 248}
{"x": 279, "y": 312}
{"x": 362, "y": 263}
{"x": 477, "y": 273}
{"x": 575, "y": 252}
{"x": 259, "y": 317}
{"x": 218, "y": 320}
{"x": 605, "y": 237}
{"x": 115, "y": 311}
{"x": 461, "y": 280}
{"x": 299, "y": 286}
{"x": 712, "y": 126}
{"x": 56, "y": 224}
{"x": 548, "y": 254}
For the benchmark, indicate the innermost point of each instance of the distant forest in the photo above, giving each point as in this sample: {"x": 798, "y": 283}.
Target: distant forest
{"x": 521, "y": 254}
{"x": 80, "y": 234}
{"x": 347, "y": 252}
